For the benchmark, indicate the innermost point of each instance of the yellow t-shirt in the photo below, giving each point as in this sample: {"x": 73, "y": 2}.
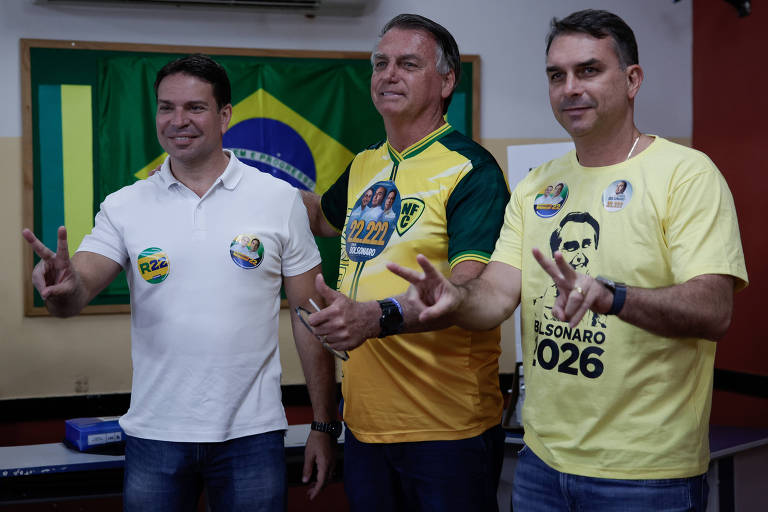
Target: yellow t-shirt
{"x": 443, "y": 197}
{"x": 607, "y": 399}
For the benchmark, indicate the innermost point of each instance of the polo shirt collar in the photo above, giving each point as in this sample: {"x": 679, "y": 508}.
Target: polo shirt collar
{"x": 229, "y": 178}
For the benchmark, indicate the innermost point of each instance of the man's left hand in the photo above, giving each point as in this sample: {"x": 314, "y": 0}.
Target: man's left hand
{"x": 319, "y": 452}
{"x": 345, "y": 324}
{"x": 577, "y": 292}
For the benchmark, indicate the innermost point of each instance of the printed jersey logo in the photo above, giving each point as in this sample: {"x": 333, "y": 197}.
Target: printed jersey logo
{"x": 246, "y": 251}
{"x": 617, "y": 195}
{"x": 153, "y": 265}
{"x": 558, "y": 347}
{"x": 372, "y": 221}
{"x": 550, "y": 200}
{"x": 410, "y": 212}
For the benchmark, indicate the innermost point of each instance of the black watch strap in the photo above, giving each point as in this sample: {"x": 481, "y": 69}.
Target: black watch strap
{"x": 619, "y": 291}
{"x": 332, "y": 428}
{"x": 391, "y": 320}
{"x": 619, "y": 296}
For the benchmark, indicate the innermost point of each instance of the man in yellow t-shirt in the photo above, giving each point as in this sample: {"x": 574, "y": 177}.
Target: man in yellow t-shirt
{"x": 423, "y": 411}
{"x": 618, "y": 376}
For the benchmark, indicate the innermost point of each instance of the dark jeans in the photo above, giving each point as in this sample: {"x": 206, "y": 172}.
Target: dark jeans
{"x": 435, "y": 476}
{"x": 246, "y": 473}
{"x": 539, "y": 488}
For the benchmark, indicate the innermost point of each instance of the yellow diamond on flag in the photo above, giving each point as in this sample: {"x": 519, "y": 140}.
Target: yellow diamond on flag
{"x": 330, "y": 156}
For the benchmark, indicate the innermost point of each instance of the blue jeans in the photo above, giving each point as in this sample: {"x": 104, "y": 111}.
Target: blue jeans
{"x": 539, "y": 488}
{"x": 426, "y": 476}
{"x": 246, "y": 473}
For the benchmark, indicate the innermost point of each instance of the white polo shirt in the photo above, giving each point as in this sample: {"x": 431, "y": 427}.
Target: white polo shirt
{"x": 204, "y": 320}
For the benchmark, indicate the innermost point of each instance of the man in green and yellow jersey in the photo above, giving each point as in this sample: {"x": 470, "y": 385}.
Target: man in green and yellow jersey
{"x": 423, "y": 411}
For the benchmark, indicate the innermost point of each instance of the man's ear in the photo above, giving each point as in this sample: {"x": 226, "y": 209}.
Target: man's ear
{"x": 449, "y": 83}
{"x": 226, "y": 117}
{"x": 634, "y": 80}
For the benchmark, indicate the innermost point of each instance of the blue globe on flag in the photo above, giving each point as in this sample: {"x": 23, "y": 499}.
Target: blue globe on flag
{"x": 274, "y": 147}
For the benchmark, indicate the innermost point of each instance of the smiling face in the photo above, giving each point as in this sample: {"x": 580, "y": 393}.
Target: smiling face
{"x": 390, "y": 200}
{"x": 189, "y": 124}
{"x": 588, "y": 91}
{"x": 366, "y": 198}
{"x": 578, "y": 244}
{"x": 378, "y": 197}
{"x": 405, "y": 82}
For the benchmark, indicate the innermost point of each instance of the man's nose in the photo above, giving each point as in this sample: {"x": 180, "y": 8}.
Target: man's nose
{"x": 573, "y": 85}
{"x": 179, "y": 117}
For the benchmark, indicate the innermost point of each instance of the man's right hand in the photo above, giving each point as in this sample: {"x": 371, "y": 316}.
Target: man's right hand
{"x": 434, "y": 295}
{"x": 54, "y": 275}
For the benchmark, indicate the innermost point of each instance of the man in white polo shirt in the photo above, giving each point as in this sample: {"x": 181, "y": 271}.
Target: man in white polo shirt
{"x": 206, "y": 406}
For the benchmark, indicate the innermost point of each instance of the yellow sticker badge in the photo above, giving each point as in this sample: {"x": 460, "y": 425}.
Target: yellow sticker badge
{"x": 153, "y": 265}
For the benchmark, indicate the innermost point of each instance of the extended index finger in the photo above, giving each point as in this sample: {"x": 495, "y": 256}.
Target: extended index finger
{"x": 37, "y": 246}
{"x": 410, "y": 275}
{"x": 548, "y": 265}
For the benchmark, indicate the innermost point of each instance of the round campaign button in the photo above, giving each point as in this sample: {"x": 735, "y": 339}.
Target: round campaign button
{"x": 617, "y": 195}
{"x": 246, "y": 251}
{"x": 153, "y": 265}
{"x": 550, "y": 200}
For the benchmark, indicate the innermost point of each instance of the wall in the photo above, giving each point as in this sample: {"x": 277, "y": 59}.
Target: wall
{"x": 52, "y": 357}
{"x": 729, "y": 108}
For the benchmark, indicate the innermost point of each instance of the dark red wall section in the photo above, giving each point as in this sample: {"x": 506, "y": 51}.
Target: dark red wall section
{"x": 730, "y": 124}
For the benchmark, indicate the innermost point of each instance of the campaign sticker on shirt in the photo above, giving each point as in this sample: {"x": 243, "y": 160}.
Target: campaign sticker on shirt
{"x": 153, "y": 265}
{"x": 372, "y": 221}
{"x": 617, "y": 195}
{"x": 550, "y": 200}
{"x": 246, "y": 251}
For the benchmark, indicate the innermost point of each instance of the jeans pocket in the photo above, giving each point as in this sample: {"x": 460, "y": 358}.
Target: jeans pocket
{"x": 522, "y": 450}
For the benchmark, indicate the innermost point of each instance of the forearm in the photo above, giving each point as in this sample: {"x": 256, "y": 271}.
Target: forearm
{"x": 319, "y": 372}
{"x": 700, "y": 308}
{"x": 483, "y": 305}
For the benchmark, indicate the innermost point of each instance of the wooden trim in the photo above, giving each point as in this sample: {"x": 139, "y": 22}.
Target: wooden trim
{"x": 27, "y": 192}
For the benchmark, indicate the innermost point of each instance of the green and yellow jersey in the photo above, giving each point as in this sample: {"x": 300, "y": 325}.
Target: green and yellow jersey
{"x": 443, "y": 197}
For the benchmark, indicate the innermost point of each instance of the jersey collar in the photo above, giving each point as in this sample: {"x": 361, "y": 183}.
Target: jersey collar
{"x": 419, "y": 146}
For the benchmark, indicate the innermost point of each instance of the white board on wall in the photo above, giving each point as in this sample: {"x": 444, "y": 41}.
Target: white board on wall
{"x": 521, "y": 160}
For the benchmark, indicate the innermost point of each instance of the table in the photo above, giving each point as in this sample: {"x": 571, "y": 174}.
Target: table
{"x": 43, "y": 472}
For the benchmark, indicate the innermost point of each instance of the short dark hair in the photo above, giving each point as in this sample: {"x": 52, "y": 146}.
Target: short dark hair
{"x": 448, "y": 56}
{"x": 204, "y": 68}
{"x": 580, "y": 217}
{"x": 599, "y": 24}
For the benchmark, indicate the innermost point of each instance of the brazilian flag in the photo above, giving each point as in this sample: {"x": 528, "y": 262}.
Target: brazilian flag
{"x": 300, "y": 119}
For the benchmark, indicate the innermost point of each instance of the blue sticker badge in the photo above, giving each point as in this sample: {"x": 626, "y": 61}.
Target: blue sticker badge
{"x": 246, "y": 251}
{"x": 372, "y": 221}
{"x": 550, "y": 200}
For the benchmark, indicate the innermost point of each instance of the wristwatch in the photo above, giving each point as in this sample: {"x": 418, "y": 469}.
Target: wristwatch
{"x": 391, "y": 320}
{"x": 332, "y": 428}
{"x": 619, "y": 291}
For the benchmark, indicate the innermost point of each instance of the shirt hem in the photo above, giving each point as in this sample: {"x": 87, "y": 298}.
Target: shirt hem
{"x": 429, "y": 435}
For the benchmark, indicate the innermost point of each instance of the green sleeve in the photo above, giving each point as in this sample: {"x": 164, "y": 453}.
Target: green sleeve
{"x": 475, "y": 212}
